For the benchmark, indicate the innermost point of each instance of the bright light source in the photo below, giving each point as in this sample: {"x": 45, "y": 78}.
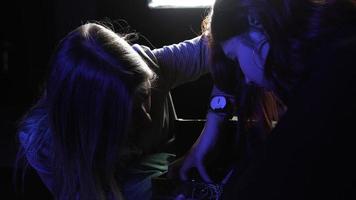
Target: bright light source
{"x": 180, "y": 3}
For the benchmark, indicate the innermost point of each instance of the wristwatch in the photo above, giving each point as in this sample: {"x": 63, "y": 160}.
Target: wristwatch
{"x": 220, "y": 104}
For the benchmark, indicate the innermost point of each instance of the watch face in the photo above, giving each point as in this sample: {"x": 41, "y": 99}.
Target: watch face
{"x": 218, "y": 102}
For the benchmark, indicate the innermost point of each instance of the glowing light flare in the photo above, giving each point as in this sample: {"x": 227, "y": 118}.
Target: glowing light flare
{"x": 180, "y": 3}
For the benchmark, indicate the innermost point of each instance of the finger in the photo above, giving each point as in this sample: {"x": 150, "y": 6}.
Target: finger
{"x": 172, "y": 171}
{"x": 227, "y": 177}
{"x": 184, "y": 171}
{"x": 174, "y": 167}
{"x": 203, "y": 173}
{"x": 180, "y": 197}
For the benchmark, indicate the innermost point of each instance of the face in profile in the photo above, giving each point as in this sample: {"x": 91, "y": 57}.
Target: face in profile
{"x": 250, "y": 49}
{"x": 142, "y": 107}
{"x": 145, "y": 105}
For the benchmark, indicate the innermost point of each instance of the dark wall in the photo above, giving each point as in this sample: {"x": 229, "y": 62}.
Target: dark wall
{"x": 31, "y": 29}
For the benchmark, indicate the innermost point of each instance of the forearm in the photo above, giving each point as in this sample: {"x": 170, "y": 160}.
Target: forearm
{"x": 212, "y": 128}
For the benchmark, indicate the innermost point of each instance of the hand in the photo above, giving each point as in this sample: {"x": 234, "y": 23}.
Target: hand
{"x": 194, "y": 159}
{"x": 204, "y": 144}
{"x": 174, "y": 167}
{"x": 180, "y": 197}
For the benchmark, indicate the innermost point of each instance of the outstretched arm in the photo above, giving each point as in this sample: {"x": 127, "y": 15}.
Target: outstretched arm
{"x": 204, "y": 144}
{"x": 183, "y": 62}
{"x": 207, "y": 141}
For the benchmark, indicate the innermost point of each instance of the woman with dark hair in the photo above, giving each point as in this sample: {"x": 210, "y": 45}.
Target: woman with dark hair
{"x": 268, "y": 56}
{"x": 106, "y": 113}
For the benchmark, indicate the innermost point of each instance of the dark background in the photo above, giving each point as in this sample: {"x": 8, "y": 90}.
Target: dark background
{"x": 28, "y": 34}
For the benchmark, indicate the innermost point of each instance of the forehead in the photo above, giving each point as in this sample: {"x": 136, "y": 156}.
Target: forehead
{"x": 254, "y": 39}
{"x": 251, "y": 36}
